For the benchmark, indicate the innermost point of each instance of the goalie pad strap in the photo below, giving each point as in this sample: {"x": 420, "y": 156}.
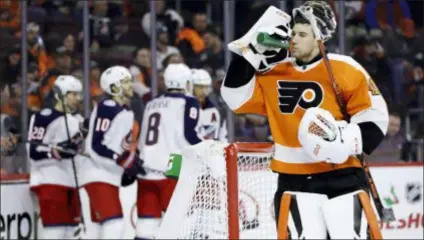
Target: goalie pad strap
{"x": 284, "y": 216}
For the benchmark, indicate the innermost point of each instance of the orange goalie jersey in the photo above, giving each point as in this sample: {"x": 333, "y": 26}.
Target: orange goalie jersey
{"x": 284, "y": 93}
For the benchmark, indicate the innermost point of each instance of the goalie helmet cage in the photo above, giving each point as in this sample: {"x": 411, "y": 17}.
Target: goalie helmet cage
{"x": 223, "y": 192}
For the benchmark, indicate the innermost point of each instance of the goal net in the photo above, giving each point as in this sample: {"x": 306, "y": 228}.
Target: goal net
{"x": 223, "y": 191}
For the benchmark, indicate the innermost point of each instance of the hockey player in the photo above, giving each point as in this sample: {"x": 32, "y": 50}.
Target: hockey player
{"x": 209, "y": 126}
{"x": 320, "y": 177}
{"x": 51, "y": 175}
{"x": 109, "y": 135}
{"x": 168, "y": 126}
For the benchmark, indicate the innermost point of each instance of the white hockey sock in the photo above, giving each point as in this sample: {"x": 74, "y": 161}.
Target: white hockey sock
{"x": 147, "y": 227}
{"x": 93, "y": 231}
{"x": 70, "y": 232}
{"x": 54, "y": 232}
{"x": 113, "y": 229}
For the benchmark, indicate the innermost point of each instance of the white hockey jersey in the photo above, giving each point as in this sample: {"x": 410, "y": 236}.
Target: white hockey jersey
{"x": 169, "y": 125}
{"x": 48, "y": 127}
{"x": 209, "y": 125}
{"x": 109, "y": 129}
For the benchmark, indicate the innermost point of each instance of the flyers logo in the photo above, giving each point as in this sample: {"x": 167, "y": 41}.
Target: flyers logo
{"x": 302, "y": 94}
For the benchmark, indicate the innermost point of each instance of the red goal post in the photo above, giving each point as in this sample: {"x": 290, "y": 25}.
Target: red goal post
{"x": 232, "y": 152}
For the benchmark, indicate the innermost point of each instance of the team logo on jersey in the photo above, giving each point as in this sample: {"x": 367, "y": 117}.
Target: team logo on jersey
{"x": 303, "y": 94}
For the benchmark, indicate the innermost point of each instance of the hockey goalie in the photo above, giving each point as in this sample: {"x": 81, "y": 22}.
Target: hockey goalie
{"x": 322, "y": 189}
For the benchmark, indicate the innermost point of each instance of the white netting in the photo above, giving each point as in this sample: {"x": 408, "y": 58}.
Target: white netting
{"x": 198, "y": 208}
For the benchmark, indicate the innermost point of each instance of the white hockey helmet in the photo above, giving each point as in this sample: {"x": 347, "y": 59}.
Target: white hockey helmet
{"x": 201, "y": 77}
{"x": 67, "y": 83}
{"x": 177, "y": 76}
{"x": 113, "y": 76}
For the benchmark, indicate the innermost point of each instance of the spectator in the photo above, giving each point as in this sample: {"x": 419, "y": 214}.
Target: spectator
{"x": 63, "y": 67}
{"x": 57, "y": 7}
{"x": 213, "y": 58}
{"x": 166, "y": 17}
{"x": 69, "y": 46}
{"x": 371, "y": 55}
{"x": 100, "y": 23}
{"x": 34, "y": 99}
{"x": 9, "y": 14}
{"x": 8, "y": 118}
{"x": 96, "y": 91}
{"x": 190, "y": 41}
{"x": 163, "y": 47}
{"x": 120, "y": 32}
{"x": 36, "y": 47}
{"x": 11, "y": 66}
{"x": 172, "y": 58}
{"x": 393, "y": 14}
{"x": 142, "y": 67}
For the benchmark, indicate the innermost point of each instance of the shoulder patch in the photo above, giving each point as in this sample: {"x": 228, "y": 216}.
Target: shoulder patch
{"x": 373, "y": 87}
{"x": 109, "y": 103}
{"x": 46, "y": 112}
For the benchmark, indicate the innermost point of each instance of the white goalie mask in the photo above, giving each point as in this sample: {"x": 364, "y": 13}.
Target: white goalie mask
{"x": 177, "y": 76}
{"x": 112, "y": 77}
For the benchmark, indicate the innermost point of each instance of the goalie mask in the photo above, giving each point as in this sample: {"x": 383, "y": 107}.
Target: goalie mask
{"x": 321, "y": 13}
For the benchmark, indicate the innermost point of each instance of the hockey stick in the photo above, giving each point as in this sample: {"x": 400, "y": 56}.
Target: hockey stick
{"x": 73, "y": 152}
{"x": 386, "y": 214}
{"x": 51, "y": 146}
{"x": 81, "y": 227}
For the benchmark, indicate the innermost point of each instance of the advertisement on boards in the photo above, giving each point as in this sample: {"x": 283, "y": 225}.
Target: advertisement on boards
{"x": 18, "y": 219}
{"x": 400, "y": 187}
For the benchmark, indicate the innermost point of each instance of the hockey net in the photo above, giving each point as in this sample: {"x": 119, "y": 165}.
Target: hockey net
{"x": 223, "y": 191}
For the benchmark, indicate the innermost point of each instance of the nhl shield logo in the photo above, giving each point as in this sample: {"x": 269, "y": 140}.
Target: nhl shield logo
{"x": 413, "y": 192}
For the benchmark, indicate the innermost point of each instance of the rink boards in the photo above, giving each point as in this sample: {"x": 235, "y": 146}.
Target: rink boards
{"x": 400, "y": 186}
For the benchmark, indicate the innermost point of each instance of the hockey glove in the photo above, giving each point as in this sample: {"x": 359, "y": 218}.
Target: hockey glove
{"x": 65, "y": 149}
{"x": 130, "y": 174}
{"x": 325, "y": 139}
{"x": 277, "y": 24}
{"x": 84, "y": 126}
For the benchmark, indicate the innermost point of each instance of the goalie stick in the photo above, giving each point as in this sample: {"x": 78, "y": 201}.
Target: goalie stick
{"x": 386, "y": 214}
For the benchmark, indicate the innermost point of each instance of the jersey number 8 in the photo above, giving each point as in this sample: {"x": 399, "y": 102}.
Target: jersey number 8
{"x": 152, "y": 133}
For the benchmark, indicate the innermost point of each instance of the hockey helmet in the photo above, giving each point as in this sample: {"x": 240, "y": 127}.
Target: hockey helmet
{"x": 67, "y": 83}
{"x": 201, "y": 77}
{"x": 177, "y": 76}
{"x": 113, "y": 76}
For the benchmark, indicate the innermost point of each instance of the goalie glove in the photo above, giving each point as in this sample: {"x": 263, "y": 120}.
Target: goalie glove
{"x": 277, "y": 24}
{"x": 325, "y": 139}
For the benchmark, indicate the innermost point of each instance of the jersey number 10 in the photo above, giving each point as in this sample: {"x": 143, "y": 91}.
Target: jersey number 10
{"x": 102, "y": 124}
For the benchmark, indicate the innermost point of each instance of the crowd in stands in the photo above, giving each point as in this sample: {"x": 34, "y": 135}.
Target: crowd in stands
{"x": 384, "y": 36}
